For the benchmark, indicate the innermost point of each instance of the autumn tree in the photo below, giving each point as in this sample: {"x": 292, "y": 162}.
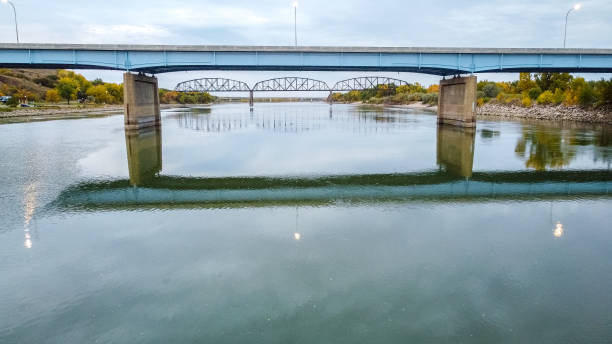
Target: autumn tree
{"x": 67, "y": 88}
{"x": 52, "y": 96}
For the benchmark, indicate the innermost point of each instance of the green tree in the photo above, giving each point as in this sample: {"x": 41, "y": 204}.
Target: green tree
{"x": 525, "y": 82}
{"x": 490, "y": 90}
{"x": 67, "y": 88}
{"x": 552, "y": 81}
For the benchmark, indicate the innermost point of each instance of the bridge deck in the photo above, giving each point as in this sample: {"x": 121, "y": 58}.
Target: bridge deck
{"x": 429, "y": 60}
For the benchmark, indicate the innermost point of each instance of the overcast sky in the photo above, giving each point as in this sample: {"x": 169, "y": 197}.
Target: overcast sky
{"x": 492, "y": 23}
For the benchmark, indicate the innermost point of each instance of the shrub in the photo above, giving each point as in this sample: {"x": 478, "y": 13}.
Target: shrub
{"x": 490, "y": 90}
{"x": 534, "y": 92}
{"x": 52, "y": 96}
{"x": 558, "y": 96}
{"x": 526, "y": 101}
{"x": 430, "y": 98}
{"x": 13, "y": 101}
{"x": 546, "y": 97}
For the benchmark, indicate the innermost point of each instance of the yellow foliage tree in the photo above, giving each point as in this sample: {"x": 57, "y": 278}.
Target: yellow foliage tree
{"x": 100, "y": 94}
{"x": 435, "y": 88}
{"x": 52, "y": 96}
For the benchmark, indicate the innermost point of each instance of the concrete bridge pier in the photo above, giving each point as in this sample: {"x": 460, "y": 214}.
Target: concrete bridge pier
{"x": 330, "y": 99}
{"x": 251, "y": 101}
{"x": 457, "y": 101}
{"x": 141, "y": 101}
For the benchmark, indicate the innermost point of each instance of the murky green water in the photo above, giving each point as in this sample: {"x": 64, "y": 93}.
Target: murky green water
{"x": 294, "y": 224}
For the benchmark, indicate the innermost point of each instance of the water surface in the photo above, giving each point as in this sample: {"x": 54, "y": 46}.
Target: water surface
{"x": 294, "y": 223}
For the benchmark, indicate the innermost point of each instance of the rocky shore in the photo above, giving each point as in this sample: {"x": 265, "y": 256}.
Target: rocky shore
{"x": 69, "y": 110}
{"x": 548, "y": 112}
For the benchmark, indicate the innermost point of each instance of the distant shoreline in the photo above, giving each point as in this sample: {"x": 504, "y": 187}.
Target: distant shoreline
{"x": 602, "y": 115}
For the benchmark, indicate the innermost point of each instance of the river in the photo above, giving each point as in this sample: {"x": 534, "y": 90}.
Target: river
{"x": 301, "y": 223}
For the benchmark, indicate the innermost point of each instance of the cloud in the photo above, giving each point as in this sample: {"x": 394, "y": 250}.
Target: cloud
{"x": 126, "y": 31}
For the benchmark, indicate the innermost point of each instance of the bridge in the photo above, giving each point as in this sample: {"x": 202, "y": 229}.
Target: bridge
{"x": 457, "y": 97}
{"x": 285, "y": 84}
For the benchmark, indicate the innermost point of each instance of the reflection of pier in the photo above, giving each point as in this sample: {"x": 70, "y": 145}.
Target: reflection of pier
{"x": 365, "y": 121}
{"x": 144, "y": 154}
{"x": 455, "y": 149}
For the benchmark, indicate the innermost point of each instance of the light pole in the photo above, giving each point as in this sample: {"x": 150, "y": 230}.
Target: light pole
{"x": 15, "y": 14}
{"x": 575, "y": 8}
{"x": 295, "y": 5}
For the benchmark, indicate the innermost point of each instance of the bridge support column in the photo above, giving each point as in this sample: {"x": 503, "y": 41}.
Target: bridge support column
{"x": 251, "y": 99}
{"x": 141, "y": 101}
{"x": 330, "y": 100}
{"x": 457, "y": 101}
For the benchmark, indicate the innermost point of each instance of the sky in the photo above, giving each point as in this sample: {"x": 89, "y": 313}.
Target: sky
{"x": 434, "y": 23}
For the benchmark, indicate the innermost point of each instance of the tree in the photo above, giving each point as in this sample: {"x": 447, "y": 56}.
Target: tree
{"x": 100, "y": 94}
{"x": 83, "y": 84}
{"x": 525, "y": 82}
{"x": 490, "y": 90}
{"x": 552, "y": 81}
{"x": 52, "y": 96}
{"x": 115, "y": 91}
{"x": 67, "y": 88}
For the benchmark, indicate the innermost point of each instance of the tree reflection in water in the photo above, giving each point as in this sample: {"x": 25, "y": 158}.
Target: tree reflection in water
{"x": 545, "y": 147}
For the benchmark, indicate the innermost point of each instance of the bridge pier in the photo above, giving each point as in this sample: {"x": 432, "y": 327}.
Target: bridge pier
{"x": 141, "y": 101}
{"x": 457, "y": 101}
{"x": 251, "y": 101}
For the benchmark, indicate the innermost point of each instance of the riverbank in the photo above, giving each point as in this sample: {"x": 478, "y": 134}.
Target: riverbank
{"x": 548, "y": 112}
{"x": 69, "y": 110}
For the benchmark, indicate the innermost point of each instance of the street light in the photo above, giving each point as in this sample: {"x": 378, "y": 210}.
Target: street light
{"x": 295, "y": 5}
{"x": 575, "y": 8}
{"x": 15, "y": 14}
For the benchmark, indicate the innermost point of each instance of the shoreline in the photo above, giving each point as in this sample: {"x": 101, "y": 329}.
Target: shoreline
{"x": 601, "y": 115}
{"x": 67, "y": 110}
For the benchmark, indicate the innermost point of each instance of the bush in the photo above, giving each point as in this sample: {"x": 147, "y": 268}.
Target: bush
{"x": 526, "y": 101}
{"x": 546, "y": 97}
{"x": 587, "y": 96}
{"x": 534, "y": 92}
{"x": 52, "y": 96}
{"x": 490, "y": 90}
{"x": 430, "y": 98}
{"x": 558, "y": 96}
{"x": 13, "y": 101}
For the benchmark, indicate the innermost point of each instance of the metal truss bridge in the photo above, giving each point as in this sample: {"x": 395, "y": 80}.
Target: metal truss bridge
{"x": 285, "y": 84}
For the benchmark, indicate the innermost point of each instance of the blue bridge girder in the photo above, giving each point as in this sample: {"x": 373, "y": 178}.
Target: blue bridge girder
{"x": 170, "y": 58}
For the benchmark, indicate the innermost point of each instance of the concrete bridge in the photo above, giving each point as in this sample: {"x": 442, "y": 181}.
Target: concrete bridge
{"x": 457, "y": 95}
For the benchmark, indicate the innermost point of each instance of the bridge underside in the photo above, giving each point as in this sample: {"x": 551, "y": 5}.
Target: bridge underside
{"x": 405, "y": 69}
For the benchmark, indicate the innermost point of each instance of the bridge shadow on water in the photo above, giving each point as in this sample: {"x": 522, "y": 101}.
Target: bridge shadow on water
{"x": 454, "y": 181}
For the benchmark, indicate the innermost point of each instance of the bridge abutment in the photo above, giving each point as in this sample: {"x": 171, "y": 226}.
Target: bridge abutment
{"x": 141, "y": 101}
{"x": 457, "y": 101}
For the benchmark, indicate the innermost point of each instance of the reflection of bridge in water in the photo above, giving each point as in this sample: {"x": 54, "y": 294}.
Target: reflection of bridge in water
{"x": 291, "y": 121}
{"x": 455, "y": 181}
